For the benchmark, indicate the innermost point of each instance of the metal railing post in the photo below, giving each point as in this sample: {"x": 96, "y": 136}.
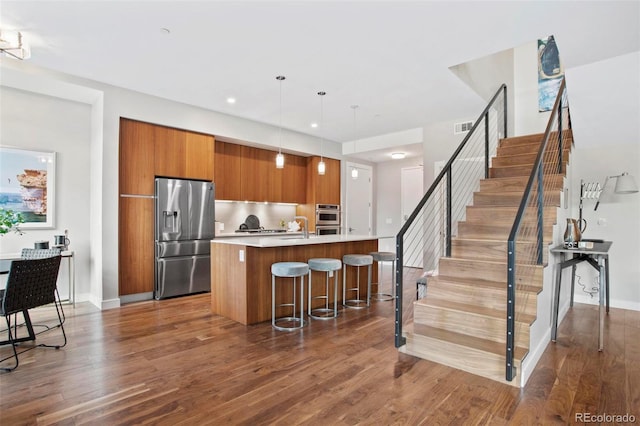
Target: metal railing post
{"x": 511, "y": 301}
{"x": 540, "y": 212}
{"x": 449, "y": 209}
{"x": 504, "y": 109}
{"x": 399, "y": 339}
{"x": 560, "y": 142}
{"x": 486, "y": 145}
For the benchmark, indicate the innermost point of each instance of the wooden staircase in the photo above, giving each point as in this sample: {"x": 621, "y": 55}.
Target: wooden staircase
{"x": 462, "y": 320}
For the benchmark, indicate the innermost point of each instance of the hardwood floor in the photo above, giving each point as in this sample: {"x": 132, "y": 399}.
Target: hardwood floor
{"x": 173, "y": 362}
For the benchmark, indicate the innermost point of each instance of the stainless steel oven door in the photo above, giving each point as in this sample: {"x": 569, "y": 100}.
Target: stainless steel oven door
{"x": 327, "y": 230}
{"x": 328, "y": 217}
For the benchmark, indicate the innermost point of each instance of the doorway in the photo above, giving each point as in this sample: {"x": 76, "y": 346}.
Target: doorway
{"x": 358, "y": 199}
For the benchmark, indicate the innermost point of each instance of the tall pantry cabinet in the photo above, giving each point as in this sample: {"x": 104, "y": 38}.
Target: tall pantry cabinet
{"x": 146, "y": 151}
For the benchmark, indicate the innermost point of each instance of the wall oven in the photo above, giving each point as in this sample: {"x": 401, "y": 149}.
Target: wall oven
{"x": 327, "y": 215}
{"x": 327, "y": 230}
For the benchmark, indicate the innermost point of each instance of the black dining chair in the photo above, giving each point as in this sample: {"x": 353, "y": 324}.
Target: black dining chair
{"x": 31, "y": 283}
{"x": 32, "y": 253}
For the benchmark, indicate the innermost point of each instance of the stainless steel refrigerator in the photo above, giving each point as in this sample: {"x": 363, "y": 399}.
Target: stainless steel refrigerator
{"x": 184, "y": 227}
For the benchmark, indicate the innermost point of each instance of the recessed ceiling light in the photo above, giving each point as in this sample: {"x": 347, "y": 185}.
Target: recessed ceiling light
{"x": 231, "y": 100}
{"x": 314, "y": 125}
{"x": 397, "y": 155}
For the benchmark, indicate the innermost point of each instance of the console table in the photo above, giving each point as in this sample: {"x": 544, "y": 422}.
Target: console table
{"x": 598, "y": 257}
{"x": 69, "y": 255}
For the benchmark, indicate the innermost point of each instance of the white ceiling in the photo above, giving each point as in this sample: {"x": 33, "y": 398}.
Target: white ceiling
{"x": 390, "y": 58}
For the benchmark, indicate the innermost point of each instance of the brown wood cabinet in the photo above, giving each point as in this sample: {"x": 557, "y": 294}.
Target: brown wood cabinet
{"x": 244, "y": 173}
{"x": 183, "y": 154}
{"x": 294, "y": 179}
{"x": 146, "y": 151}
{"x": 136, "y": 254}
{"x": 228, "y": 171}
{"x": 137, "y": 159}
{"x": 321, "y": 189}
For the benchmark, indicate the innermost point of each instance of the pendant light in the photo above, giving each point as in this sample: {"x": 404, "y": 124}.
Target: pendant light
{"x": 279, "y": 156}
{"x": 354, "y": 170}
{"x": 322, "y": 168}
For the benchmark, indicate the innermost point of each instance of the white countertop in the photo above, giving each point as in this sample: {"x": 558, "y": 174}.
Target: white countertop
{"x": 256, "y": 234}
{"x": 292, "y": 240}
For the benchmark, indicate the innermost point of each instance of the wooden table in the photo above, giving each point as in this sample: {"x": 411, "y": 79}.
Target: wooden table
{"x": 598, "y": 257}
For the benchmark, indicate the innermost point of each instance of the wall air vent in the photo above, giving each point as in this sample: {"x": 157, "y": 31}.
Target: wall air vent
{"x": 462, "y": 127}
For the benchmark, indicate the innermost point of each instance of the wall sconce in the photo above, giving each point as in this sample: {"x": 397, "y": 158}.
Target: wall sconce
{"x": 625, "y": 184}
{"x": 12, "y": 44}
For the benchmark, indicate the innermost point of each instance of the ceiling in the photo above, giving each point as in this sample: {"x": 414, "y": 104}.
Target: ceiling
{"x": 391, "y": 59}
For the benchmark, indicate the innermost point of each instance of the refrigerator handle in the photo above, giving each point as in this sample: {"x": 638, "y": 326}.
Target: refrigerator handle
{"x": 170, "y": 221}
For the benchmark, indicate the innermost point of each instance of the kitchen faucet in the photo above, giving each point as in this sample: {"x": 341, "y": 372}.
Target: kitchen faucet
{"x": 305, "y": 232}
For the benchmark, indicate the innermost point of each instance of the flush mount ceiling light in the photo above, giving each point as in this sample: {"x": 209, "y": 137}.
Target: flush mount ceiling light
{"x": 322, "y": 168}
{"x": 279, "y": 156}
{"x": 398, "y": 155}
{"x": 354, "y": 171}
{"x": 13, "y": 45}
{"x": 231, "y": 100}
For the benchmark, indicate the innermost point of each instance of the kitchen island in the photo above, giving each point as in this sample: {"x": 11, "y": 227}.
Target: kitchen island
{"x": 241, "y": 270}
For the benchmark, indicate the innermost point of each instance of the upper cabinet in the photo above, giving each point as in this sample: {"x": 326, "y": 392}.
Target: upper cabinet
{"x": 137, "y": 160}
{"x": 323, "y": 189}
{"x": 227, "y": 171}
{"x": 245, "y": 173}
{"x": 183, "y": 154}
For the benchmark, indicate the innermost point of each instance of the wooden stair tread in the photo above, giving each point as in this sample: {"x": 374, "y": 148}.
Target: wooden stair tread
{"x": 479, "y": 282}
{"x": 493, "y": 262}
{"x": 485, "y": 345}
{"x": 473, "y": 309}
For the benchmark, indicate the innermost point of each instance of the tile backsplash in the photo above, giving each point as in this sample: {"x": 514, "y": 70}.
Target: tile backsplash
{"x": 233, "y": 214}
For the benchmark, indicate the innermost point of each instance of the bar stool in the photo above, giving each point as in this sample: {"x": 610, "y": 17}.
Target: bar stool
{"x": 328, "y": 266}
{"x": 381, "y": 257}
{"x": 288, "y": 270}
{"x": 356, "y": 260}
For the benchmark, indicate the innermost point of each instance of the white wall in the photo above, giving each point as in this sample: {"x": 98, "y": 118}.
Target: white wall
{"x": 605, "y": 111}
{"x": 108, "y": 104}
{"x": 45, "y": 123}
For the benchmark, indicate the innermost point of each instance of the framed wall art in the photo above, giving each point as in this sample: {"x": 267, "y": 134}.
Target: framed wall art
{"x": 27, "y": 185}
{"x": 550, "y": 73}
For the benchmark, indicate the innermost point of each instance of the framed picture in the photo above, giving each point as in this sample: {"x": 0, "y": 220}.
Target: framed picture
{"x": 550, "y": 73}
{"x": 27, "y": 185}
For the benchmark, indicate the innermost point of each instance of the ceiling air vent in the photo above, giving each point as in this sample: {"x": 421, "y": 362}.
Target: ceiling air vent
{"x": 462, "y": 127}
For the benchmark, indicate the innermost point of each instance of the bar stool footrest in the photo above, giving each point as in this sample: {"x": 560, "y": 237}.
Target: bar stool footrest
{"x": 382, "y": 297}
{"x": 301, "y": 323}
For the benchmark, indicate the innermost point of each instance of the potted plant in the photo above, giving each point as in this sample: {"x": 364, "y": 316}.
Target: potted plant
{"x": 10, "y": 221}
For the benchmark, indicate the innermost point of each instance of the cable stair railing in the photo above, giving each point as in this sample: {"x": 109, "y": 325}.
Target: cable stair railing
{"x": 524, "y": 266}
{"x": 424, "y": 243}
{"x": 427, "y": 233}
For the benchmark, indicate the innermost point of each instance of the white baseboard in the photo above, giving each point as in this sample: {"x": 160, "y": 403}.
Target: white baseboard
{"x": 109, "y": 304}
{"x": 614, "y": 303}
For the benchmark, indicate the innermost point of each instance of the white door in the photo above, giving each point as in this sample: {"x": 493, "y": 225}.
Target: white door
{"x": 411, "y": 192}
{"x": 359, "y": 198}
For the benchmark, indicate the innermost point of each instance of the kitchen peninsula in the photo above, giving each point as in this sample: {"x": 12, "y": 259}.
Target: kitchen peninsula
{"x": 241, "y": 269}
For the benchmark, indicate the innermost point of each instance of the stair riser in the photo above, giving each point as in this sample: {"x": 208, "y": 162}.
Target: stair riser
{"x": 507, "y": 200}
{"x": 471, "y": 360}
{"x": 483, "y": 327}
{"x": 473, "y": 230}
{"x": 490, "y": 215}
{"x": 491, "y": 250}
{"x": 551, "y": 182}
{"x": 494, "y": 298}
{"x": 534, "y": 139}
{"x": 515, "y": 171}
{"x": 526, "y": 159}
{"x": 492, "y": 271}
{"x": 529, "y": 148}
